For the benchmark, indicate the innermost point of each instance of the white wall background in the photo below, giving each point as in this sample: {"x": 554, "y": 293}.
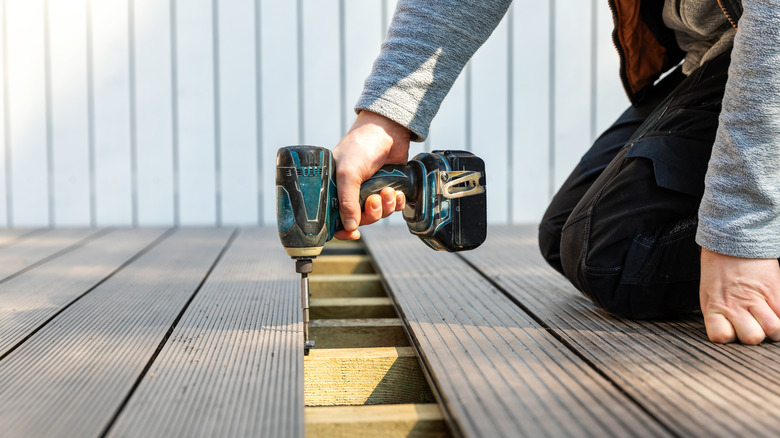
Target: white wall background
{"x": 159, "y": 112}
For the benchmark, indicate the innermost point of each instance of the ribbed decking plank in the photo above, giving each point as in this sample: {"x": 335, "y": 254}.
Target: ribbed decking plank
{"x": 10, "y": 235}
{"x": 19, "y": 254}
{"x": 72, "y": 376}
{"x": 693, "y": 386}
{"x": 233, "y": 366}
{"x": 497, "y": 371}
{"x": 30, "y": 299}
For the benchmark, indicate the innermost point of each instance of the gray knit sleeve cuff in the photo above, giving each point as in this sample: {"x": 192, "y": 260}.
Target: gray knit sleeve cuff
{"x": 396, "y": 113}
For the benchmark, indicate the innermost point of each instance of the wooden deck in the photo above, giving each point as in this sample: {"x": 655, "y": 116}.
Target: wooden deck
{"x": 197, "y": 332}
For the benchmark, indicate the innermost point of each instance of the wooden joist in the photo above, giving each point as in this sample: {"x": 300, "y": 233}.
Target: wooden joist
{"x": 346, "y": 286}
{"x": 347, "y": 376}
{"x": 339, "y": 308}
{"x": 389, "y": 421}
{"x": 358, "y": 333}
{"x": 342, "y": 264}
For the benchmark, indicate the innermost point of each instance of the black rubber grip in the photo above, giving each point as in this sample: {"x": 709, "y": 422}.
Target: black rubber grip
{"x": 401, "y": 178}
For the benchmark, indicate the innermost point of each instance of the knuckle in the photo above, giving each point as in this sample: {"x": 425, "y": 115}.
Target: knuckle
{"x": 347, "y": 204}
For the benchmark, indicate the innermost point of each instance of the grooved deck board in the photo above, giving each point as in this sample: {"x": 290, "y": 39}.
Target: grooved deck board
{"x": 72, "y": 376}
{"x": 10, "y": 235}
{"x": 30, "y": 299}
{"x": 497, "y": 371}
{"x": 695, "y": 387}
{"x": 233, "y": 366}
{"x": 33, "y": 248}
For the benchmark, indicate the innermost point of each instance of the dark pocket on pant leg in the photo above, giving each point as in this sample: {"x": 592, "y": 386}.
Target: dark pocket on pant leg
{"x": 661, "y": 273}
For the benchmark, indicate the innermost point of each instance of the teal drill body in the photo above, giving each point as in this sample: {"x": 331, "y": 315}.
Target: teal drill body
{"x": 445, "y": 203}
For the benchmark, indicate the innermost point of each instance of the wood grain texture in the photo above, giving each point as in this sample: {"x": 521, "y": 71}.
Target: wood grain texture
{"x": 72, "y": 376}
{"x": 234, "y": 363}
{"x": 357, "y": 376}
{"x": 497, "y": 371}
{"x": 342, "y": 264}
{"x": 694, "y": 387}
{"x": 352, "y": 285}
{"x": 358, "y": 333}
{"x": 340, "y": 308}
{"x": 398, "y": 420}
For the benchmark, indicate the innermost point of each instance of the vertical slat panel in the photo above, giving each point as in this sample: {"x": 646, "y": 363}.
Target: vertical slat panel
{"x": 448, "y": 129}
{"x": 572, "y": 86}
{"x": 531, "y": 124}
{"x": 4, "y": 115}
{"x": 387, "y": 9}
{"x": 195, "y": 79}
{"x": 321, "y": 69}
{"x": 335, "y": 41}
{"x": 489, "y": 119}
{"x": 364, "y": 35}
{"x": 70, "y": 122}
{"x": 113, "y": 179}
{"x": 611, "y": 99}
{"x": 154, "y": 112}
{"x": 280, "y": 91}
{"x": 238, "y": 143}
{"x": 27, "y": 105}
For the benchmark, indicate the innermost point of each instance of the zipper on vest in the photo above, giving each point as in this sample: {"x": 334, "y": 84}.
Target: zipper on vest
{"x": 732, "y": 11}
{"x": 621, "y": 53}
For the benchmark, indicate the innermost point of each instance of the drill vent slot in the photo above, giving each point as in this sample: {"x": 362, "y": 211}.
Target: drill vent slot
{"x": 309, "y": 171}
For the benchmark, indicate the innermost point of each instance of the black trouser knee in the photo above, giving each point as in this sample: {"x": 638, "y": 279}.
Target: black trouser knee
{"x": 622, "y": 227}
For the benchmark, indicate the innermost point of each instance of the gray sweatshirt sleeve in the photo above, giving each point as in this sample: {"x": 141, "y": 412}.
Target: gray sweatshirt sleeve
{"x": 428, "y": 44}
{"x": 740, "y": 212}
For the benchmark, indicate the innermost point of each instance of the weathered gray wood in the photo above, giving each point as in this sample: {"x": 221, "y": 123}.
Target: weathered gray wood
{"x": 19, "y": 254}
{"x": 233, "y": 366}
{"x": 9, "y": 235}
{"x": 30, "y": 299}
{"x": 497, "y": 371}
{"x": 693, "y": 386}
{"x": 71, "y": 377}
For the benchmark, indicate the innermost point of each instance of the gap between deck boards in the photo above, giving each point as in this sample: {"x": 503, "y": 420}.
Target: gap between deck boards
{"x": 362, "y": 378}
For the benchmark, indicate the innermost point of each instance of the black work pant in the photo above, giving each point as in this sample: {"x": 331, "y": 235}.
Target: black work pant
{"x": 622, "y": 227}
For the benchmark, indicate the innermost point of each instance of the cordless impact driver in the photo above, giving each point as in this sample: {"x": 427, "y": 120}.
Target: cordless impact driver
{"x": 445, "y": 203}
